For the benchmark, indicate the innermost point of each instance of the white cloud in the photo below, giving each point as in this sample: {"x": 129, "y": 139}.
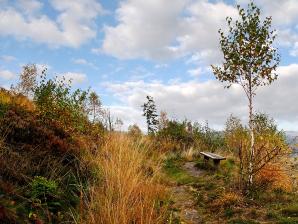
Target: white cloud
{"x": 96, "y": 50}
{"x": 146, "y": 29}
{"x": 194, "y": 100}
{"x": 283, "y": 12}
{"x": 8, "y": 58}
{"x": 7, "y": 75}
{"x": 75, "y": 23}
{"x": 163, "y": 65}
{"x": 74, "y": 77}
{"x": 151, "y": 29}
{"x": 195, "y": 72}
{"x": 128, "y": 115}
{"x": 294, "y": 51}
{"x": 287, "y": 37}
{"x": 29, "y": 7}
{"x": 77, "y": 19}
{"x": 199, "y": 29}
{"x": 210, "y": 101}
{"x": 82, "y": 61}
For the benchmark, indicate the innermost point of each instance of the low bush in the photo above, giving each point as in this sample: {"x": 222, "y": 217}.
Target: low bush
{"x": 43, "y": 170}
{"x": 273, "y": 177}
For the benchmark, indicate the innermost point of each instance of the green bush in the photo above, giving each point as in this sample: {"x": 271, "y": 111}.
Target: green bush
{"x": 176, "y": 131}
{"x": 186, "y": 134}
{"x": 206, "y": 138}
{"x": 229, "y": 212}
{"x": 55, "y": 101}
{"x": 43, "y": 189}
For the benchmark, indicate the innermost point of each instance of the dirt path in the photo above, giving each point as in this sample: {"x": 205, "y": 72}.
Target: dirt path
{"x": 192, "y": 170}
{"x": 184, "y": 201}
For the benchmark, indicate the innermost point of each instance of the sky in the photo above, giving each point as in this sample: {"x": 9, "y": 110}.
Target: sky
{"x": 127, "y": 49}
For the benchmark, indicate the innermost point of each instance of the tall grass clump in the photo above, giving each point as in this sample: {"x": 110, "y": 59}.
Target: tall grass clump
{"x": 129, "y": 191}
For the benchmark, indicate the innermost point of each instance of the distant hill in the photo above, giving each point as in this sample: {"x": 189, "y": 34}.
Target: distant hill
{"x": 292, "y": 140}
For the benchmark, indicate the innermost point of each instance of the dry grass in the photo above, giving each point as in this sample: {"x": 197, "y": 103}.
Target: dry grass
{"x": 7, "y": 98}
{"x": 274, "y": 177}
{"x": 129, "y": 191}
{"x": 228, "y": 199}
{"x": 190, "y": 154}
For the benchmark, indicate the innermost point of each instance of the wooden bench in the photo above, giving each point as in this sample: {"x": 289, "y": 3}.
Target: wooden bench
{"x": 216, "y": 158}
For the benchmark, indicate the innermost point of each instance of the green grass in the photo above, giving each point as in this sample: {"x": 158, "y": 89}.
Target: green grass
{"x": 288, "y": 220}
{"x": 242, "y": 221}
{"x": 173, "y": 169}
{"x": 290, "y": 211}
{"x": 269, "y": 206}
{"x": 229, "y": 212}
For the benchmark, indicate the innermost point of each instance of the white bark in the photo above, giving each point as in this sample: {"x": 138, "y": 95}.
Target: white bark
{"x": 252, "y": 141}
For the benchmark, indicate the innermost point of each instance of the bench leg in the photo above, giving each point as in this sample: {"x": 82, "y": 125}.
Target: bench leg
{"x": 206, "y": 159}
{"x": 216, "y": 162}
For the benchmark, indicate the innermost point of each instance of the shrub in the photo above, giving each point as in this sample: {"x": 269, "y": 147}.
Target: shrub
{"x": 184, "y": 135}
{"x": 134, "y": 131}
{"x": 269, "y": 145}
{"x": 229, "y": 212}
{"x": 175, "y": 131}
{"x": 43, "y": 189}
{"x": 273, "y": 177}
{"x": 34, "y": 145}
{"x": 55, "y": 101}
{"x": 207, "y": 139}
{"x": 227, "y": 200}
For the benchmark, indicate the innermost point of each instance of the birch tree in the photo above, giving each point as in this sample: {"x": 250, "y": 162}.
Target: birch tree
{"x": 250, "y": 60}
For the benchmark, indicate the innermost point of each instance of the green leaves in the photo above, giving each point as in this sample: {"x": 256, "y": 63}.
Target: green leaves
{"x": 55, "y": 100}
{"x": 249, "y": 58}
{"x": 43, "y": 189}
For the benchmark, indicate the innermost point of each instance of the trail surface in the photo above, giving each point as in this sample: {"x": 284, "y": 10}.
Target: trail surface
{"x": 184, "y": 200}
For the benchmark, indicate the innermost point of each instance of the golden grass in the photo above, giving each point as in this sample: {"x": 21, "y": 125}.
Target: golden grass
{"x": 7, "y": 98}
{"x": 190, "y": 154}
{"x": 129, "y": 191}
{"x": 274, "y": 177}
{"x": 228, "y": 199}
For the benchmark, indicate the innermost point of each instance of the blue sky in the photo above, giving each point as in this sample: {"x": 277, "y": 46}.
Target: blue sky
{"x": 125, "y": 50}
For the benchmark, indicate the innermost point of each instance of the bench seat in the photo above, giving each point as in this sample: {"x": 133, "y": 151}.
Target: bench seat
{"x": 216, "y": 158}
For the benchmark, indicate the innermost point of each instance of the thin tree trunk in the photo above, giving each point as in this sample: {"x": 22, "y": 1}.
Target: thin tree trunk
{"x": 252, "y": 142}
{"x": 240, "y": 154}
{"x": 93, "y": 114}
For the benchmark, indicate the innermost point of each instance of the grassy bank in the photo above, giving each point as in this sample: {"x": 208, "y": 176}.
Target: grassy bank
{"x": 218, "y": 199}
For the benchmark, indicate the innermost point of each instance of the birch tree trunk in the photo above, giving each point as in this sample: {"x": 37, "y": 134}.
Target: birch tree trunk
{"x": 252, "y": 142}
